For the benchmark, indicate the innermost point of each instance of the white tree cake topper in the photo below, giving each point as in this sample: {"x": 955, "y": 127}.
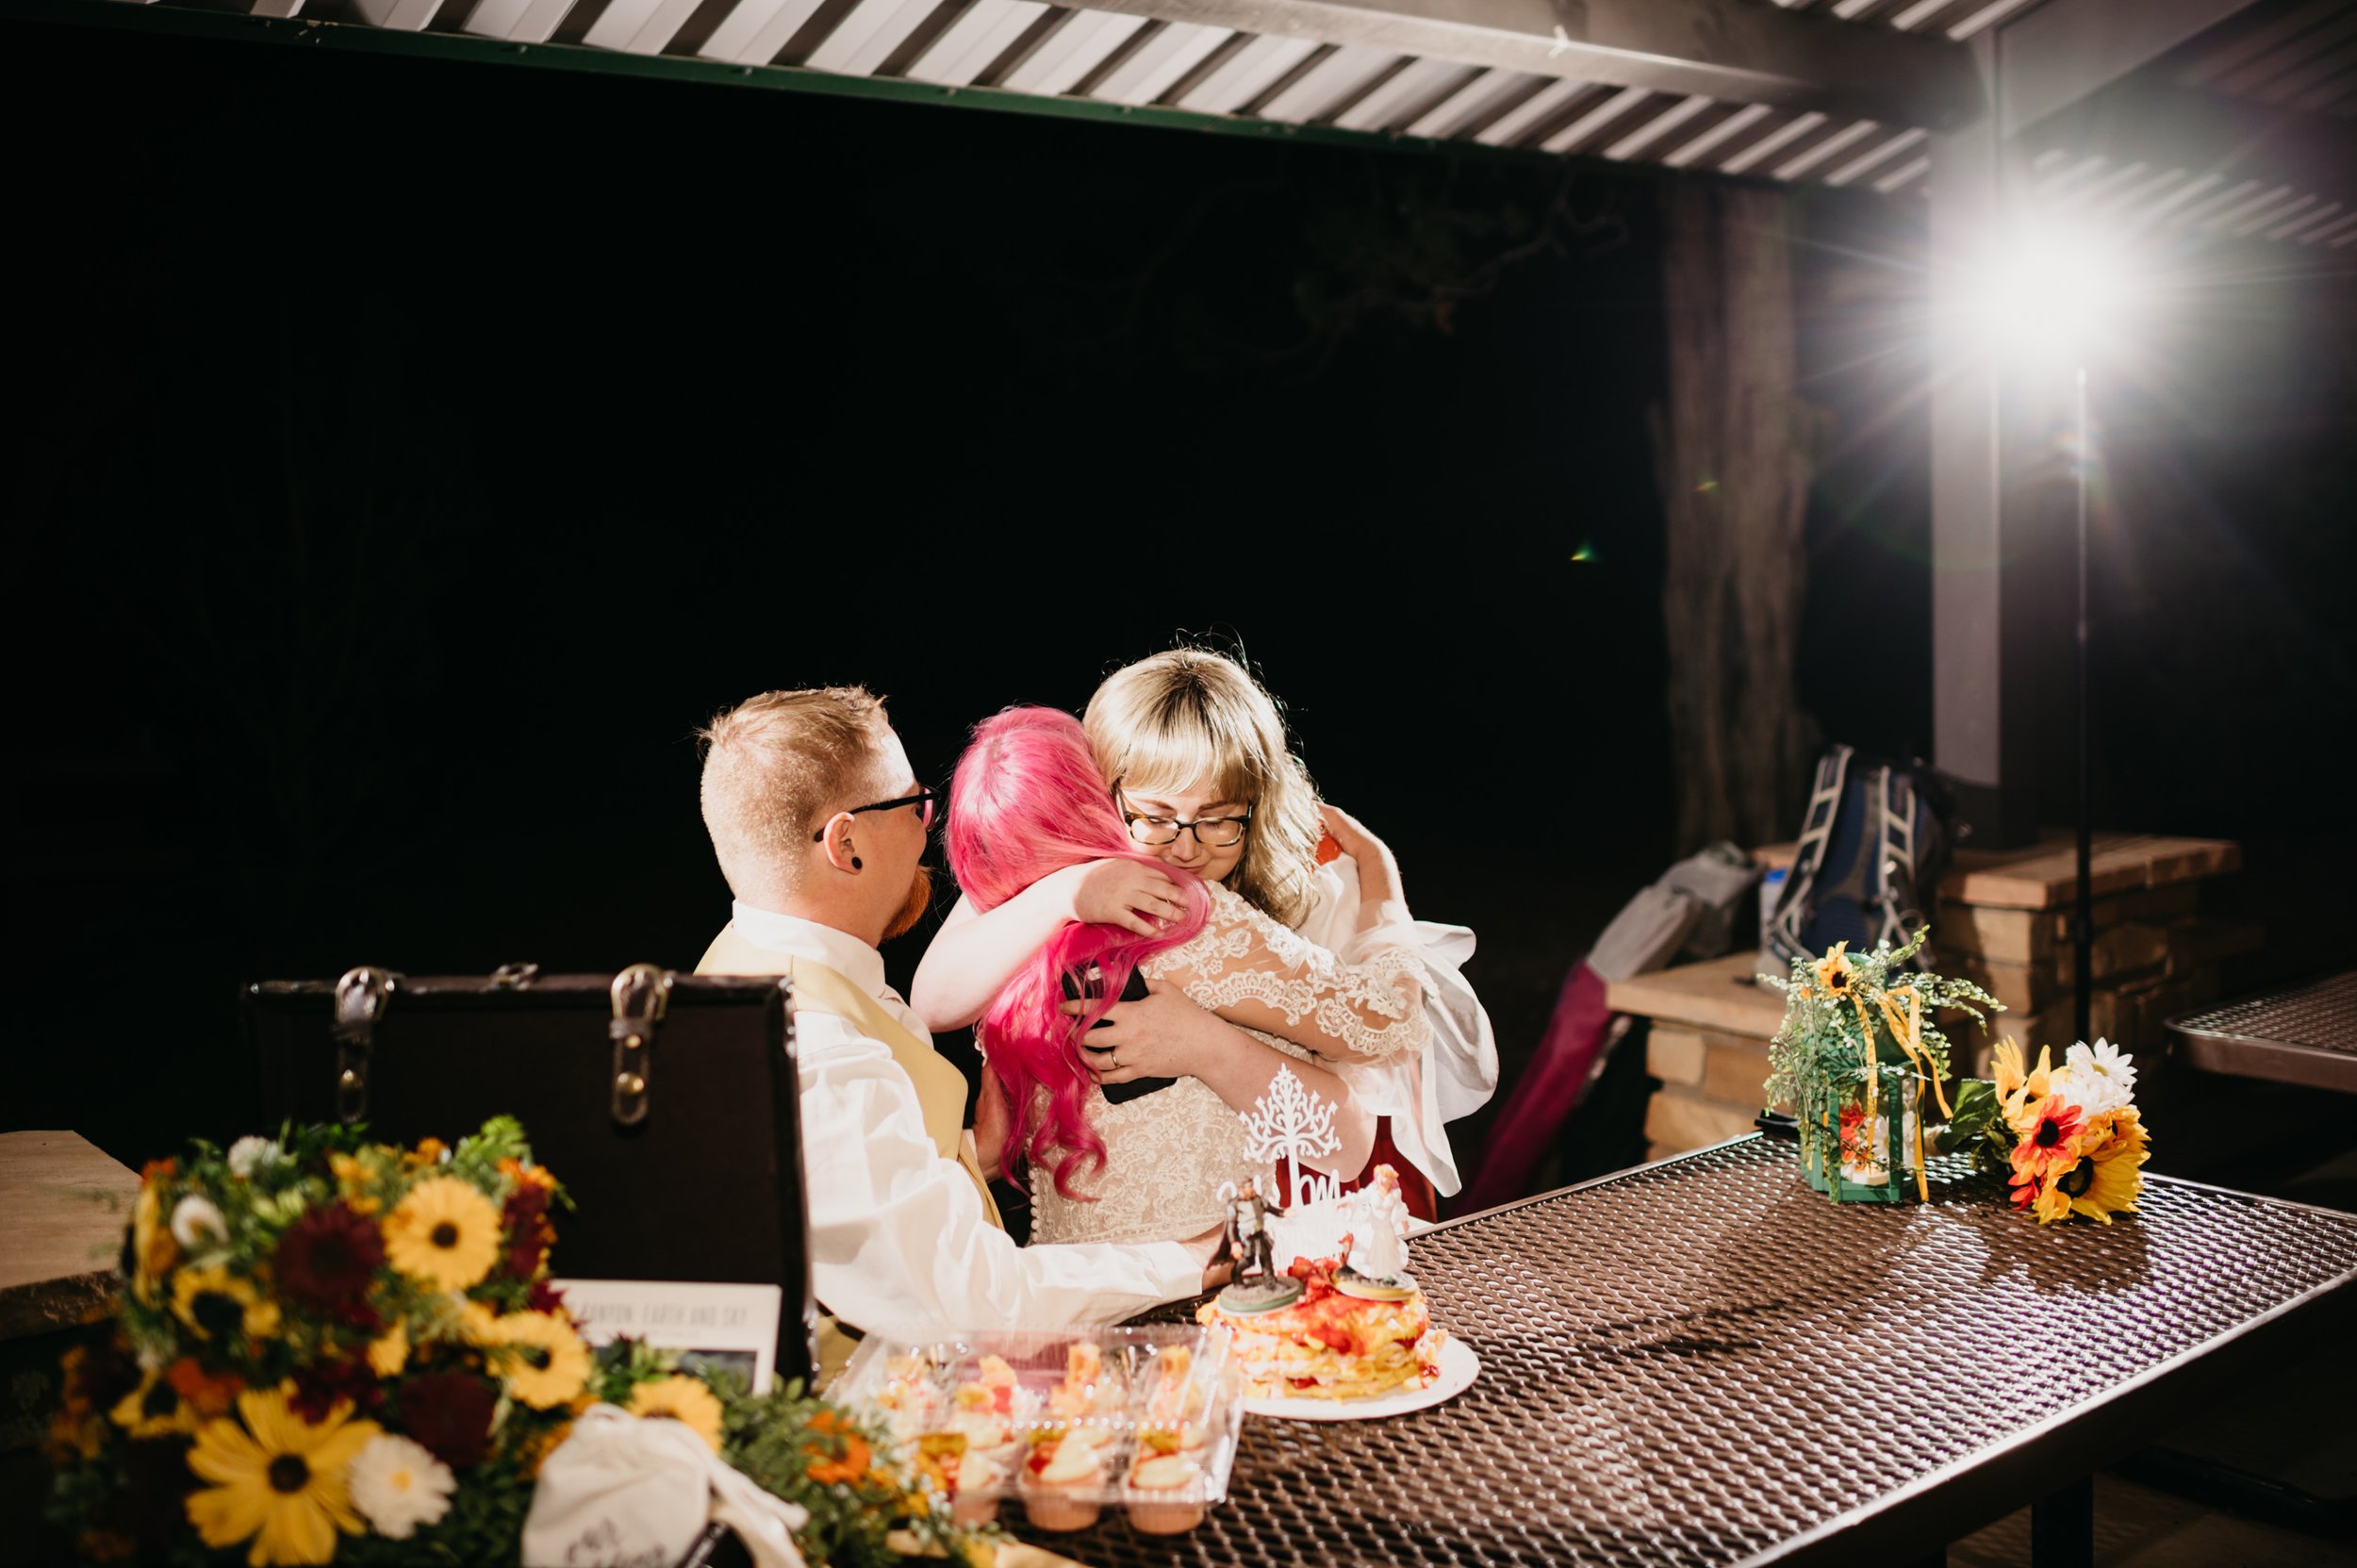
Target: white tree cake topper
{"x": 1289, "y": 1123}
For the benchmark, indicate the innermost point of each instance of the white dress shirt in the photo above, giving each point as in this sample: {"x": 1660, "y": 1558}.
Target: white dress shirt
{"x": 898, "y": 1238}
{"x": 1459, "y": 1073}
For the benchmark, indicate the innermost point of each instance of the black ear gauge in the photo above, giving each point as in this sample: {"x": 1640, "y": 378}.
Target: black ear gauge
{"x": 858, "y": 865}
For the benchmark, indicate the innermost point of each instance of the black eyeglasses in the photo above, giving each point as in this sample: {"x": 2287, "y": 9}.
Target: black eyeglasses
{"x": 1212, "y": 832}
{"x": 923, "y": 799}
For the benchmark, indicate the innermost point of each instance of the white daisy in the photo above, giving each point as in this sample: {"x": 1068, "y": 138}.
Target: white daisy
{"x": 2101, "y": 1079}
{"x": 399, "y": 1486}
{"x": 251, "y": 1153}
{"x": 198, "y": 1225}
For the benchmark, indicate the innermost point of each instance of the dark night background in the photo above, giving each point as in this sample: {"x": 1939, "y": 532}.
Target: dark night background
{"x": 414, "y": 453}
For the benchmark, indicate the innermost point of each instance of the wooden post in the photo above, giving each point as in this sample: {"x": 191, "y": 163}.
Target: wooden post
{"x": 1735, "y": 477}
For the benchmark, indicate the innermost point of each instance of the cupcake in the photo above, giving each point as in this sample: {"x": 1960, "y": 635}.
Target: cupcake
{"x": 1086, "y": 1390}
{"x": 982, "y": 1415}
{"x": 1064, "y": 1469}
{"x": 1179, "y": 1399}
{"x": 1166, "y": 1488}
{"x": 937, "y": 1456}
{"x": 974, "y": 1490}
{"x": 909, "y": 1397}
{"x": 979, "y": 1417}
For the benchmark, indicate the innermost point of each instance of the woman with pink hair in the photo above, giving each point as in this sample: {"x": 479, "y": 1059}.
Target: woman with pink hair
{"x": 1193, "y": 752}
{"x": 1028, "y": 804}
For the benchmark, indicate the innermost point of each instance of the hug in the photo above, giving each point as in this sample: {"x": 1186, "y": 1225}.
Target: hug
{"x": 1159, "y": 928}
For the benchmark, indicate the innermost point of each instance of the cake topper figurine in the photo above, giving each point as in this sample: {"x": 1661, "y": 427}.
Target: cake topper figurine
{"x": 1258, "y": 1287}
{"x": 1378, "y": 1265}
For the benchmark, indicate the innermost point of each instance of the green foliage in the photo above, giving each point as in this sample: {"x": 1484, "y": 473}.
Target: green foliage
{"x": 864, "y": 1493}
{"x": 1975, "y": 1108}
{"x": 1827, "y": 1033}
{"x": 778, "y": 1438}
{"x": 477, "y": 1157}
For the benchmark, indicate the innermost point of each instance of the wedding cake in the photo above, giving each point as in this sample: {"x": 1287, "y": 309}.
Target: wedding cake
{"x": 1331, "y": 1329}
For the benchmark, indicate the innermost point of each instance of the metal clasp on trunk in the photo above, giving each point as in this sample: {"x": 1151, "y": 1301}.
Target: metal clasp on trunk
{"x": 640, "y": 993}
{"x": 360, "y": 1000}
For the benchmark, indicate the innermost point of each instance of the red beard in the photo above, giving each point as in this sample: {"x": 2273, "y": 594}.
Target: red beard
{"x": 913, "y": 908}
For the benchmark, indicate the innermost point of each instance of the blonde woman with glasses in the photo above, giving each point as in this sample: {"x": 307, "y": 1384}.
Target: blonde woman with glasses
{"x": 1194, "y": 755}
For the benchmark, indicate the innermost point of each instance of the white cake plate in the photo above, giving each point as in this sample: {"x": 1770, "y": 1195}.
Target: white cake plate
{"x": 1458, "y": 1367}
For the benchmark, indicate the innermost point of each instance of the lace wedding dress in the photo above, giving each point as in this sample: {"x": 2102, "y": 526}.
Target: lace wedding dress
{"x": 1166, "y": 1153}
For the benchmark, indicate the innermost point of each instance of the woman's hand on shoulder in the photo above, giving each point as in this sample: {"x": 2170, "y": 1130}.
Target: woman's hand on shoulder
{"x": 1126, "y": 892}
{"x": 1357, "y": 841}
{"x": 1164, "y": 1036}
{"x": 1378, "y": 869}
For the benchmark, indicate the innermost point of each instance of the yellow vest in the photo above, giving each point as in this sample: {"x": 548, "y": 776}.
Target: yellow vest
{"x": 940, "y": 1088}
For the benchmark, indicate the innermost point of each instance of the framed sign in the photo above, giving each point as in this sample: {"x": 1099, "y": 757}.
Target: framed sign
{"x": 732, "y": 1326}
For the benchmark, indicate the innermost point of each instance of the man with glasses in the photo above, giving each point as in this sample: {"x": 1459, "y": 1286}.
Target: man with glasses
{"x": 820, "y": 826}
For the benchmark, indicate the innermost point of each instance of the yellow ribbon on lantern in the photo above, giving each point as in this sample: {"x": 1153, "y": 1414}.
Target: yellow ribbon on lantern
{"x": 1907, "y": 1028}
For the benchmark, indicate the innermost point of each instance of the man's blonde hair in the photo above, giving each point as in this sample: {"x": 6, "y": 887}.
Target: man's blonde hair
{"x": 1192, "y": 719}
{"x": 775, "y": 767}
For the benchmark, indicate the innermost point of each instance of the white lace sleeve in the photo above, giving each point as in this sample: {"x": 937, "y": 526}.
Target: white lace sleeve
{"x": 1251, "y": 971}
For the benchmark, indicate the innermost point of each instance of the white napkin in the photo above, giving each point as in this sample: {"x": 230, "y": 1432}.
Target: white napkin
{"x": 623, "y": 1490}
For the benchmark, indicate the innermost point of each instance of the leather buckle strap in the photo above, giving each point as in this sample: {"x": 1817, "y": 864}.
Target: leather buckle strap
{"x": 361, "y": 998}
{"x": 641, "y": 994}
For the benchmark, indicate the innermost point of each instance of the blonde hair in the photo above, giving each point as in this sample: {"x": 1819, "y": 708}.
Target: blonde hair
{"x": 774, "y": 765}
{"x": 1179, "y": 719}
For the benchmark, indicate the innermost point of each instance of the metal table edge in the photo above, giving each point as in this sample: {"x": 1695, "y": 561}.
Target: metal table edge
{"x": 2061, "y": 1421}
{"x": 1925, "y": 1487}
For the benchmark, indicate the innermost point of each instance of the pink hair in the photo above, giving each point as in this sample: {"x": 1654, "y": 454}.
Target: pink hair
{"x": 1027, "y": 800}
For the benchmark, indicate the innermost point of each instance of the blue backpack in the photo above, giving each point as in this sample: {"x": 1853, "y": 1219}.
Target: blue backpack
{"x": 1873, "y": 848}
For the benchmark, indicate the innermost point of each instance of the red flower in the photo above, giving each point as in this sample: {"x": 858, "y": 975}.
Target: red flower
{"x": 2050, "y": 1139}
{"x": 328, "y": 1257}
{"x": 209, "y": 1394}
{"x": 544, "y": 1297}
{"x": 525, "y": 1219}
{"x": 321, "y": 1382}
{"x": 449, "y": 1413}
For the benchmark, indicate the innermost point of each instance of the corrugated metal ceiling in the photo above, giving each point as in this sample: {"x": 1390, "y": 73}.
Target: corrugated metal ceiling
{"x": 2298, "y": 55}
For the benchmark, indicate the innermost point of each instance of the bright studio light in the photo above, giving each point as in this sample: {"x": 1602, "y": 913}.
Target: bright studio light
{"x": 2055, "y": 294}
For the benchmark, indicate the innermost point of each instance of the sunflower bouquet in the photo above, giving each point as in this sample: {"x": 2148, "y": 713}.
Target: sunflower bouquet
{"x": 331, "y": 1350}
{"x": 1859, "y": 1049}
{"x": 323, "y": 1349}
{"x": 2069, "y": 1139}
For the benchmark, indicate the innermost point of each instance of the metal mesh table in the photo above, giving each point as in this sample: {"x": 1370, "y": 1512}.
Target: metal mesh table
{"x": 1704, "y": 1362}
{"x": 2302, "y": 1035}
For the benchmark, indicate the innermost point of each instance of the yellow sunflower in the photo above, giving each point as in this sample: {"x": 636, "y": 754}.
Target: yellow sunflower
{"x": 477, "y": 1322}
{"x": 2110, "y": 1179}
{"x": 2027, "y": 1103}
{"x": 2004, "y": 1069}
{"x": 155, "y": 1408}
{"x": 546, "y": 1363}
{"x": 444, "y": 1233}
{"x": 213, "y": 1302}
{"x": 682, "y": 1399}
{"x": 389, "y": 1352}
{"x": 2125, "y": 1124}
{"x": 277, "y": 1479}
{"x": 153, "y": 1250}
{"x": 1834, "y": 971}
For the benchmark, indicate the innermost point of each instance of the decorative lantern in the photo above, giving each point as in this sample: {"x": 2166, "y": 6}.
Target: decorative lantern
{"x": 1856, "y": 1058}
{"x": 1858, "y": 1139}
